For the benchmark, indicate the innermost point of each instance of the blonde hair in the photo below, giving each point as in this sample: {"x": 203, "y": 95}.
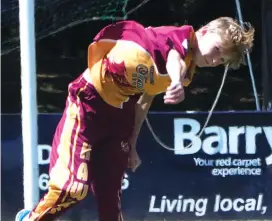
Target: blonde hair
{"x": 237, "y": 40}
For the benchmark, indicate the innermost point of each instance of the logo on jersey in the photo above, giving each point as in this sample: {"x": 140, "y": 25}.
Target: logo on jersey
{"x": 142, "y": 75}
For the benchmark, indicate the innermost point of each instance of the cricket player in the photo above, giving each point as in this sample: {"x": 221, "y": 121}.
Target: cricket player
{"x": 128, "y": 64}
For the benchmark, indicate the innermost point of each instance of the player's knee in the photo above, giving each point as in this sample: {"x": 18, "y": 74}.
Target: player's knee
{"x": 79, "y": 190}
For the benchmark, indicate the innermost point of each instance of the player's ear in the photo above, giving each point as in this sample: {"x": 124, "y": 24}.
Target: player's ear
{"x": 203, "y": 30}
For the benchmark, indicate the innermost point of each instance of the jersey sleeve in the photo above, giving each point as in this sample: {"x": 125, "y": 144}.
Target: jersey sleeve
{"x": 112, "y": 31}
{"x": 125, "y": 30}
{"x": 180, "y": 39}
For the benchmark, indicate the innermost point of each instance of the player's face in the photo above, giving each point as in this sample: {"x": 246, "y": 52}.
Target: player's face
{"x": 209, "y": 52}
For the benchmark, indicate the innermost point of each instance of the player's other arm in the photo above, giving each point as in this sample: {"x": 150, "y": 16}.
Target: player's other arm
{"x": 176, "y": 69}
{"x": 141, "y": 110}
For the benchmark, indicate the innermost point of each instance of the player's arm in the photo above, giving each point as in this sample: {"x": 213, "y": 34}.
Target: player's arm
{"x": 175, "y": 66}
{"x": 141, "y": 110}
{"x": 176, "y": 69}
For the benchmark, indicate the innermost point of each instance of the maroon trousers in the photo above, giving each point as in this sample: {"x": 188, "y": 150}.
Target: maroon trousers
{"x": 89, "y": 152}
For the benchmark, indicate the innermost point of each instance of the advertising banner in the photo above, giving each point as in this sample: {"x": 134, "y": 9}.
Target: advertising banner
{"x": 226, "y": 173}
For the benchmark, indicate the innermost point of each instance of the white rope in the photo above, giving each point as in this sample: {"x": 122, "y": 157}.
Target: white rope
{"x": 238, "y": 7}
{"x": 158, "y": 140}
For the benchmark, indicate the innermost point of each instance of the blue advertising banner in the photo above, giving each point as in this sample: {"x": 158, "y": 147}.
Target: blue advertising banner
{"x": 225, "y": 174}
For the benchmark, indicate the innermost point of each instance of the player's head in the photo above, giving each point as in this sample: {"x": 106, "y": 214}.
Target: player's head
{"x": 223, "y": 41}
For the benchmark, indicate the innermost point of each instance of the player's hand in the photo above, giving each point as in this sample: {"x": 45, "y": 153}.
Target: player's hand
{"x": 174, "y": 94}
{"x": 134, "y": 160}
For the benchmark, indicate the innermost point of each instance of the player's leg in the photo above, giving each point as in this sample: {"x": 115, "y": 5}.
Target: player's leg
{"x": 110, "y": 161}
{"x": 70, "y": 157}
{"x": 69, "y": 174}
